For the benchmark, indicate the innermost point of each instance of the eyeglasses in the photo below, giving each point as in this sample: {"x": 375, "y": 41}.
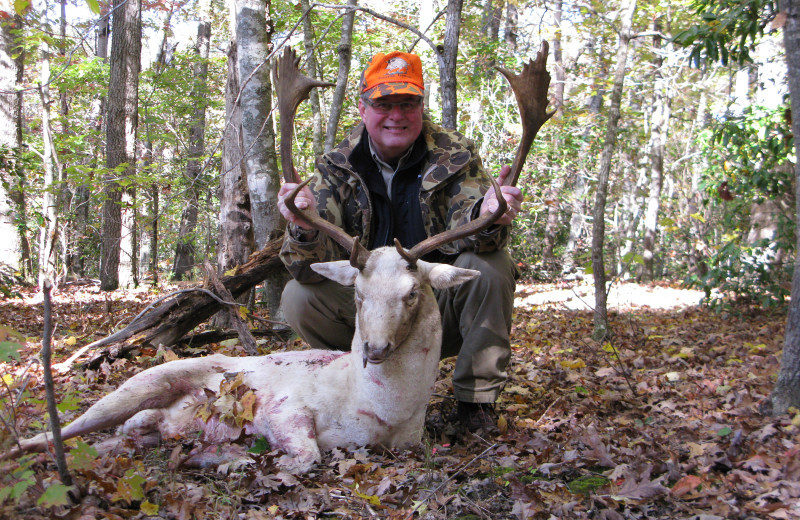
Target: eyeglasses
{"x": 384, "y": 107}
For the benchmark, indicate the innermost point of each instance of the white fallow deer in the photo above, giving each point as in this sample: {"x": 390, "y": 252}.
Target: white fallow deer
{"x": 313, "y": 400}
{"x": 307, "y": 401}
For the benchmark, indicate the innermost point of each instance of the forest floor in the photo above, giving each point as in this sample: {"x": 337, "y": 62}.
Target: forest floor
{"x": 662, "y": 422}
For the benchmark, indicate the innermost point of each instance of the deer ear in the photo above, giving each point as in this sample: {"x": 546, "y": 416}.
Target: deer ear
{"x": 442, "y": 276}
{"x": 339, "y": 271}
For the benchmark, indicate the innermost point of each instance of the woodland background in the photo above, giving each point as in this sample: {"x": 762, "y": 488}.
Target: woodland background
{"x": 137, "y": 140}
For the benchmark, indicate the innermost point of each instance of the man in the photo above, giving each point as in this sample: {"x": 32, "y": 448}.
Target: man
{"x": 398, "y": 175}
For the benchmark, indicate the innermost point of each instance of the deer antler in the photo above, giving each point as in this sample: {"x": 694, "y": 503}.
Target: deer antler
{"x": 471, "y": 228}
{"x": 358, "y": 254}
{"x": 530, "y": 88}
{"x": 292, "y": 87}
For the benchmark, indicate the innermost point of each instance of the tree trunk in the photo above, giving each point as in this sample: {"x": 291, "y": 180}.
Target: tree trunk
{"x": 235, "y": 221}
{"x": 48, "y": 238}
{"x": 253, "y": 38}
{"x": 81, "y": 201}
{"x": 492, "y": 15}
{"x": 553, "y": 193}
{"x": 599, "y": 225}
{"x": 149, "y": 153}
{"x": 447, "y": 65}
{"x": 14, "y": 245}
{"x": 786, "y": 392}
{"x": 345, "y": 51}
{"x": 512, "y": 19}
{"x": 311, "y": 69}
{"x": 185, "y": 249}
{"x": 121, "y": 129}
{"x": 659, "y": 123}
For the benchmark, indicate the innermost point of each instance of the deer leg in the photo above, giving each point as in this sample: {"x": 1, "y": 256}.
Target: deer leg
{"x": 291, "y": 430}
{"x": 155, "y": 388}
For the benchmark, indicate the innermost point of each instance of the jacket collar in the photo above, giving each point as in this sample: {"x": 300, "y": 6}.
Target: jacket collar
{"x": 448, "y": 153}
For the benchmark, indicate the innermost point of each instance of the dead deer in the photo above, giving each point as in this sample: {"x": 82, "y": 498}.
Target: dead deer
{"x": 312, "y": 400}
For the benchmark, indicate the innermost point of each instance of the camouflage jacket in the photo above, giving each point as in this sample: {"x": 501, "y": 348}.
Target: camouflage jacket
{"x": 452, "y": 186}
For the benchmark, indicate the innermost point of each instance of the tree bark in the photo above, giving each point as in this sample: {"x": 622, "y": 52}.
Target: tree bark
{"x": 599, "y": 226}
{"x": 311, "y": 69}
{"x": 148, "y": 157}
{"x": 447, "y": 66}
{"x": 121, "y": 130}
{"x": 512, "y": 19}
{"x": 81, "y": 201}
{"x": 49, "y": 232}
{"x": 553, "y": 193}
{"x": 235, "y": 221}
{"x": 786, "y": 392}
{"x": 345, "y": 51}
{"x": 492, "y": 16}
{"x": 659, "y": 123}
{"x": 253, "y": 37}
{"x": 185, "y": 248}
{"x": 14, "y": 245}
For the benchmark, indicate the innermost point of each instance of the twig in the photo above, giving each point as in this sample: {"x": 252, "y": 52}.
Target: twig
{"x": 451, "y": 477}
{"x": 245, "y": 336}
{"x": 622, "y": 369}
{"x": 547, "y": 411}
{"x": 55, "y": 427}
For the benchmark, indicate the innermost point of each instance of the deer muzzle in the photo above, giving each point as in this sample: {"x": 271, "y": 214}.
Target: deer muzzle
{"x": 376, "y": 355}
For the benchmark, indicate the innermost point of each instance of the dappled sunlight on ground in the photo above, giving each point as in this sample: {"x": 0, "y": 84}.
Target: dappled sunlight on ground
{"x": 621, "y": 296}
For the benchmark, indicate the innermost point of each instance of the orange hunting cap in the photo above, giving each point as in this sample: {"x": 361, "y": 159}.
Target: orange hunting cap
{"x": 393, "y": 73}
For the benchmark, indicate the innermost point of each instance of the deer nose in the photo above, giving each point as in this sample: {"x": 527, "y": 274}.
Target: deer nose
{"x": 376, "y": 354}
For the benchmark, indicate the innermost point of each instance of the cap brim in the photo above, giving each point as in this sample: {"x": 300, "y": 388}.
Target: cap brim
{"x": 391, "y": 89}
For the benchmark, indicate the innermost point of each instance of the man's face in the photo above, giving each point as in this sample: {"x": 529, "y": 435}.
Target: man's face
{"x": 393, "y": 131}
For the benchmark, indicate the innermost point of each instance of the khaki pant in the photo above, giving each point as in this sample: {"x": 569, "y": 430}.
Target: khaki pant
{"x": 476, "y": 321}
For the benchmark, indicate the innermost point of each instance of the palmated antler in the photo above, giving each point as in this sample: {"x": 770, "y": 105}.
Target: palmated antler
{"x": 292, "y": 87}
{"x": 358, "y": 254}
{"x": 471, "y": 228}
{"x": 530, "y": 89}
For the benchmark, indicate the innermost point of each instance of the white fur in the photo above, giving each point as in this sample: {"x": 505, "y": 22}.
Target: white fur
{"x": 311, "y": 400}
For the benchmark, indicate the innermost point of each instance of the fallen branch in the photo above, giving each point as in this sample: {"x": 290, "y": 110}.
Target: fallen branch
{"x": 167, "y": 323}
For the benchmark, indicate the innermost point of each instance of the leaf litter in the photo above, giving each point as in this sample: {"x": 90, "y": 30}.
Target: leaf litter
{"x": 661, "y": 421}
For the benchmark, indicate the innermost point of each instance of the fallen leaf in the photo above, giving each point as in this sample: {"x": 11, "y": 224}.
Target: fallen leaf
{"x": 685, "y": 485}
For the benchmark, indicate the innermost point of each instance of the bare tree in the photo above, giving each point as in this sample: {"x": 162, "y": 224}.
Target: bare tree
{"x": 185, "y": 248}
{"x": 121, "y": 128}
{"x": 235, "y": 220}
{"x": 311, "y": 68}
{"x": 49, "y": 232}
{"x": 447, "y": 65}
{"x": 345, "y": 57}
{"x": 659, "y": 122}
{"x": 628, "y": 8}
{"x": 14, "y": 245}
{"x": 553, "y": 193}
{"x": 253, "y": 37}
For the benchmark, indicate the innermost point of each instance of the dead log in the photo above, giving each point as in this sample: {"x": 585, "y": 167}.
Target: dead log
{"x": 174, "y": 318}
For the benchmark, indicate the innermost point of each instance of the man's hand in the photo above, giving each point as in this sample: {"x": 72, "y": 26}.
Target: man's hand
{"x": 513, "y": 197}
{"x": 305, "y": 200}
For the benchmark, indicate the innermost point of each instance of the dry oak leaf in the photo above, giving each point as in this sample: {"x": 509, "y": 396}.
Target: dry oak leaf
{"x": 640, "y": 487}
{"x": 685, "y": 485}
